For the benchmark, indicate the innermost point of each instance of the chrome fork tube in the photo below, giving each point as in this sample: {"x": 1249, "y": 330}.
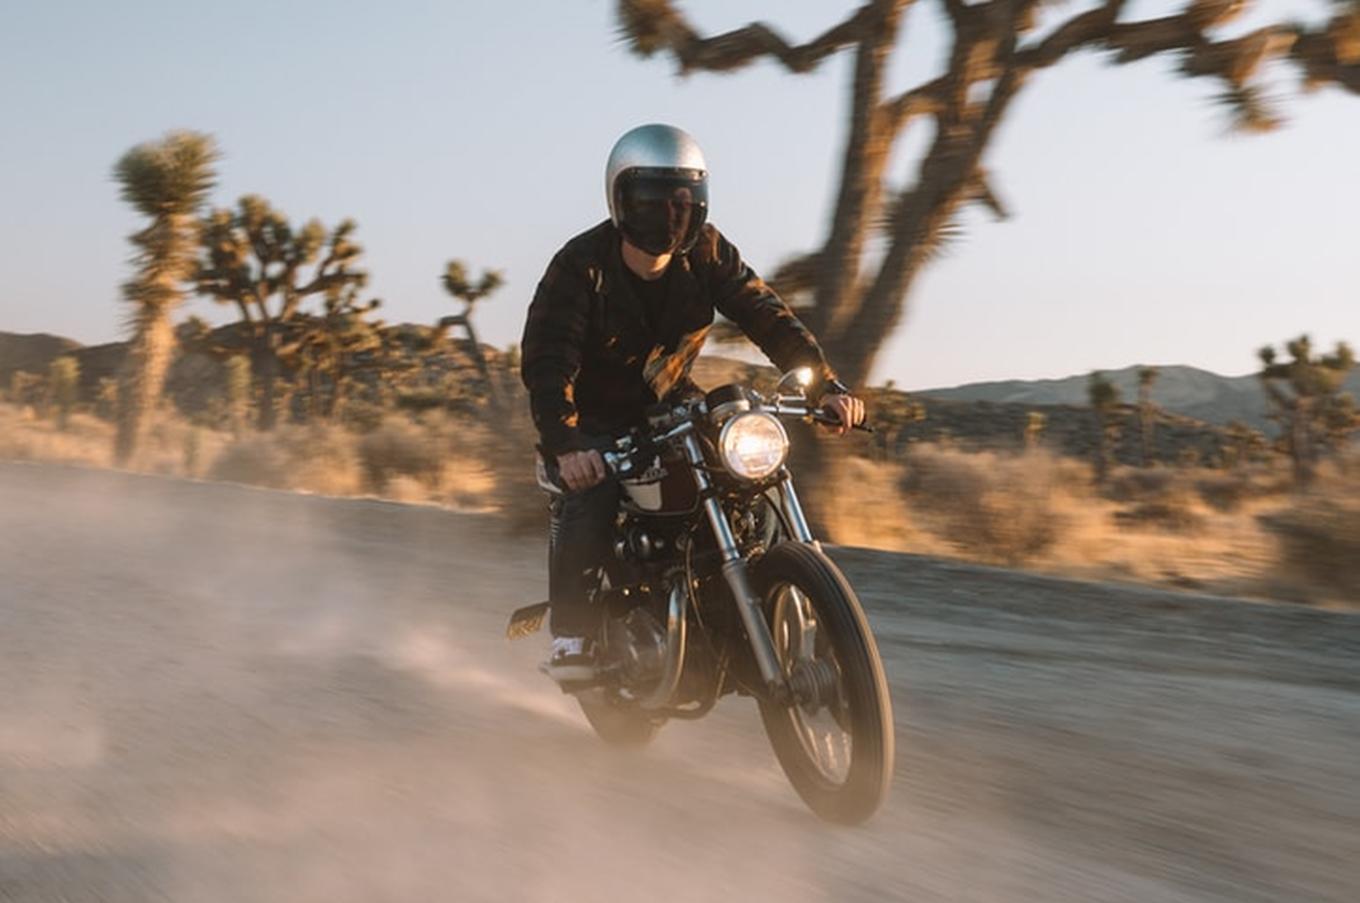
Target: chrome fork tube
{"x": 735, "y": 573}
{"x": 793, "y": 511}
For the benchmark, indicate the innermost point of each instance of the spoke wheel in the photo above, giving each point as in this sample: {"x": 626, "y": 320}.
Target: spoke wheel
{"x": 835, "y": 742}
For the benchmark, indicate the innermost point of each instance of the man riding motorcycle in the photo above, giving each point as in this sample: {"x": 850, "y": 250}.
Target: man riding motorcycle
{"x": 614, "y": 327}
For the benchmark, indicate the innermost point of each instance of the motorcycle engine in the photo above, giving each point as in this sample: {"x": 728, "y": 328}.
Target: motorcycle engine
{"x": 637, "y": 641}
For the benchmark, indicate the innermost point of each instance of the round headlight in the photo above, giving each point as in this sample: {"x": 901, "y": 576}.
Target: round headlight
{"x": 753, "y": 445}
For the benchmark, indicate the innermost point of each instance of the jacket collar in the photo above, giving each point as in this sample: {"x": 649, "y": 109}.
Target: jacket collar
{"x": 682, "y": 294}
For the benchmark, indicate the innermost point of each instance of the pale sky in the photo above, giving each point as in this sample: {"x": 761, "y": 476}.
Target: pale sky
{"x": 479, "y": 129}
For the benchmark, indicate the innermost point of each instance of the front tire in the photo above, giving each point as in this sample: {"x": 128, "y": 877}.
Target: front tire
{"x": 837, "y": 751}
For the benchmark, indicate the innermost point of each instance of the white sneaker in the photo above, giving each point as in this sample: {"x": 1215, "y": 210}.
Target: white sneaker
{"x": 572, "y": 660}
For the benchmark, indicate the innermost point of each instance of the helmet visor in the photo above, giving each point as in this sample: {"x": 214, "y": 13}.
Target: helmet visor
{"x": 662, "y": 210}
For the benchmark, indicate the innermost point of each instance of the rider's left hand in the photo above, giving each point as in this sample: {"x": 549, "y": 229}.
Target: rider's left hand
{"x": 848, "y": 408}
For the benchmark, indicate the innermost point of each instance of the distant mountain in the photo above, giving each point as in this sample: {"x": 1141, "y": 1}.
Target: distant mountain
{"x": 32, "y": 351}
{"x": 1188, "y": 391}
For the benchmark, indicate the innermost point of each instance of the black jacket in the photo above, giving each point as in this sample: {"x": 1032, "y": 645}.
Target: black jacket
{"x": 593, "y": 364}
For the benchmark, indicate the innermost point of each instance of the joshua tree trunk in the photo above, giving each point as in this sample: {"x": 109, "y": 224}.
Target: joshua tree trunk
{"x": 142, "y": 383}
{"x": 1301, "y": 443}
{"x": 1101, "y": 463}
{"x": 156, "y": 291}
{"x": 266, "y": 366}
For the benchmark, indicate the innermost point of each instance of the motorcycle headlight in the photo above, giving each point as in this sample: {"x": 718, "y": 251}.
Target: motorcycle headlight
{"x": 753, "y": 445}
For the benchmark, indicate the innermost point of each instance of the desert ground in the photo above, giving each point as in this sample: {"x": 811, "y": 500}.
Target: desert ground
{"x": 220, "y": 693}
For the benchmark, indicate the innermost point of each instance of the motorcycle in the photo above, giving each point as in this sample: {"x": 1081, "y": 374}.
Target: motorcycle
{"x": 717, "y": 586}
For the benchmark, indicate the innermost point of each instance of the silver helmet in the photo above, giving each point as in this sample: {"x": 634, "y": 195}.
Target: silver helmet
{"x": 656, "y": 183}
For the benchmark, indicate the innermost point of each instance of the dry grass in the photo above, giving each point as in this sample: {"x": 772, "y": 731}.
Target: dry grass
{"x": 25, "y": 437}
{"x": 869, "y": 510}
{"x": 437, "y": 459}
{"x": 1189, "y": 528}
{"x": 315, "y": 459}
{"x": 1007, "y": 509}
{"x": 1319, "y": 539}
{"x": 1237, "y": 532}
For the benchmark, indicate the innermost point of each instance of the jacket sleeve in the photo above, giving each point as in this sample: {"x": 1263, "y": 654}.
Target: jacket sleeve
{"x": 554, "y": 334}
{"x": 744, "y": 298}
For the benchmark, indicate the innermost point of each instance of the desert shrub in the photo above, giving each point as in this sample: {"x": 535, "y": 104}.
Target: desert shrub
{"x": 1002, "y": 508}
{"x": 400, "y": 447}
{"x": 507, "y": 446}
{"x": 868, "y": 508}
{"x": 313, "y": 458}
{"x": 1135, "y": 484}
{"x": 1229, "y": 490}
{"x": 24, "y": 437}
{"x": 1156, "y": 498}
{"x": 1319, "y": 537}
{"x": 1176, "y": 512}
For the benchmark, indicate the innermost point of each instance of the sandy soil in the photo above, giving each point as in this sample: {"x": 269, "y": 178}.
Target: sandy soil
{"x": 221, "y": 694}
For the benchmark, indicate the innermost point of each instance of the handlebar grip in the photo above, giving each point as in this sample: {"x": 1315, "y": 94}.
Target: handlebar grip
{"x": 822, "y": 416}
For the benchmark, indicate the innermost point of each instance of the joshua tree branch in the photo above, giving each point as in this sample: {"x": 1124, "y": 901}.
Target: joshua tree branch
{"x": 867, "y": 150}
{"x": 652, "y": 25}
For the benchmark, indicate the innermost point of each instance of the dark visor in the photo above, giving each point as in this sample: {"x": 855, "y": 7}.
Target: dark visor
{"x": 667, "y": 186}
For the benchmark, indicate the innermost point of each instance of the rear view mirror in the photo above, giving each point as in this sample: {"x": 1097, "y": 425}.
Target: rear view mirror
{"x": 801, "y": 376}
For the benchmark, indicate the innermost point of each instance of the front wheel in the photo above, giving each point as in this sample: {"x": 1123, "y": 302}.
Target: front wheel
{"x": 836, "y": 747}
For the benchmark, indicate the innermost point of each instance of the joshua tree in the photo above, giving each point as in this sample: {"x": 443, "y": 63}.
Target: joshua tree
{"x": 1104, "y": 398}
{"x": 63, "y": 382}
{"x": 853, "y": 287}
{"x": 859, "y": 286}
{"x": 458, "y": 283}
{"x": 332, "y": 347}
{"x": 166, "y": 181}
{"x": 1306, "y": 400}
{"x": 1035, "y": 422}
{"x": 1147, "y": 411}
{"x": 254, "y": 259}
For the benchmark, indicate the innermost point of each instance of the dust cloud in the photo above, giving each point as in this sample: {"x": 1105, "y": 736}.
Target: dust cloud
{"x": 215, "y": 693}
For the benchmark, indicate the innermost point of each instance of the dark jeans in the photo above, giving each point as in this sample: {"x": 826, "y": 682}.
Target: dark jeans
{"x": 582, "y": 539}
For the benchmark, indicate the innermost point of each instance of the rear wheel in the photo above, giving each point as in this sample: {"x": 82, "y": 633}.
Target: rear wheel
{"x": 836, "y": 746}
{"x": 616, "y": 723}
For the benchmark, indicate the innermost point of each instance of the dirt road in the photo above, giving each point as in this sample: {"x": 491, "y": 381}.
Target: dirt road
{"x": 213, "y": 693}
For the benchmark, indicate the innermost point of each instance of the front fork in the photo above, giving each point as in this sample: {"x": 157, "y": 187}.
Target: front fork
{"x": 735, "y": 571}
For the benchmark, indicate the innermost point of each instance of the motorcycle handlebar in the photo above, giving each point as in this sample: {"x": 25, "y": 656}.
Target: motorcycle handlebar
{"x": 630, "y": 453}
{"x": 797, "y": 407}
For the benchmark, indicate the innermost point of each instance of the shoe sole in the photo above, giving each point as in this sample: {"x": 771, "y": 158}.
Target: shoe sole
{"x": 569, "y": 673}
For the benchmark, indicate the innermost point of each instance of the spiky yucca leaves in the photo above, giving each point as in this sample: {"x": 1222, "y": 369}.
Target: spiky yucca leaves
{"x": 63, "y": 383}
{"x": 458, "y": 282}
{"x": 1307, "y": 402}
{"x": 166, "y": 181}
{"x": 256, "y": 260}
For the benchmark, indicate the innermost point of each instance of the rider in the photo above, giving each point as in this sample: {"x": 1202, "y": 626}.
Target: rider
{"x": 615, "y": 326}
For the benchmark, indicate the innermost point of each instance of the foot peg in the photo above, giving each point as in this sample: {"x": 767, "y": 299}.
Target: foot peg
{"x": 526, "y": 620}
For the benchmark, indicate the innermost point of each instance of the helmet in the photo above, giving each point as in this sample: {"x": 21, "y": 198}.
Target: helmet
{"x": 657, "y": 186}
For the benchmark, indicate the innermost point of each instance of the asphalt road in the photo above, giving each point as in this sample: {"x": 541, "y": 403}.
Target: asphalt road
{"x": 214, "y": 693}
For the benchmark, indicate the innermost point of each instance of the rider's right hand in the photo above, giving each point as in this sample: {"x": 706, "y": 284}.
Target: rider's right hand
{"x": 581, "y": 469}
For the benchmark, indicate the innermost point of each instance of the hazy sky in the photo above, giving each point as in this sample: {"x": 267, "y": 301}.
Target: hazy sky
{"x": 479, "y": 130}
